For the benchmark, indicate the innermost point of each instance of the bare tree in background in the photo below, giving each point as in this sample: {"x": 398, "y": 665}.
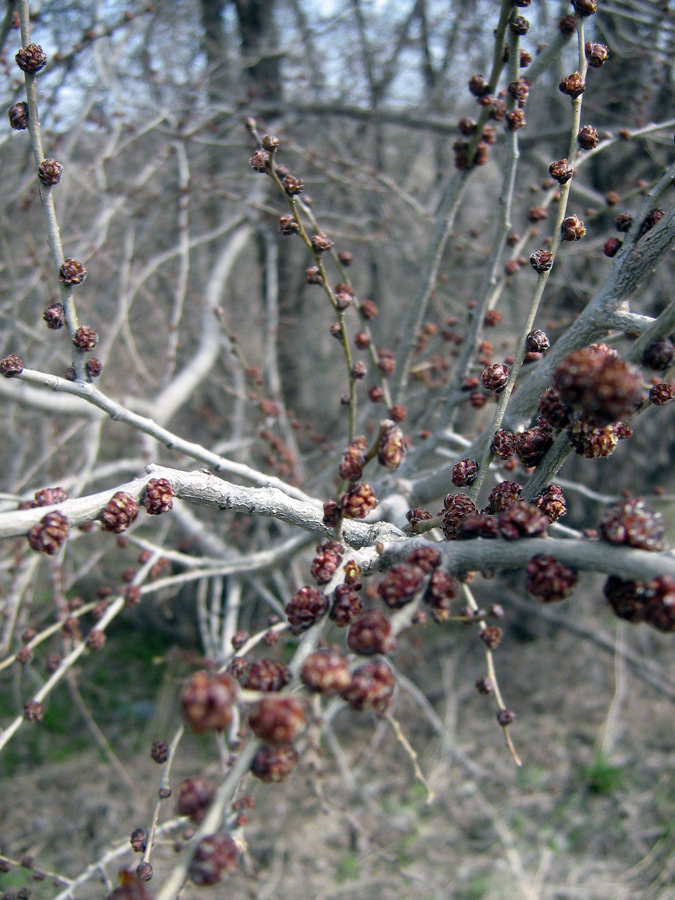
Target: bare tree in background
{"x": 333, "y": 344}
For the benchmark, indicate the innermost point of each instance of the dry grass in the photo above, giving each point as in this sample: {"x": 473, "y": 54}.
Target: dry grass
{"x": 589, "y": 815}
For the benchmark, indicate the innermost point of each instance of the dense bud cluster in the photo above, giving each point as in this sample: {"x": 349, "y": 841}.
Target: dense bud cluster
{"x": 478, "y": 524}
{"x": 541, "y": 260}
{"x": 119, "y": 513}
{"x": 31, "y": 58}
{"x": 631, "y": 523}
{"x": 358, "y": 502}
{"x": 49, "y": 172}
{"x": 457, "y": 507}
{"x": 305, "y": 608}
{"x": 572, "y": 229}
{"x": 72, "y": 272}
{"x": 328, "y": 558}
{"x": 442, "y": 589}
{"x": 494, "y": 378}
{"x": 552, "y": 503}
{"x": 273, "y": 764}
{"x": 266, "y": 675}
{"x": 278, "y": 720}
{"x": 597, "y": 384}
{"x": 537, "y": 342}
{"x": 661, "y": 393}
{"x": 426, "y": 558}
{"x": 561, "y": 171}
{"x": 503, "y": 495}
{"x": 503, "y": 444}
{"x": 207, "y": 701}
{"x": 194, "y": 797}
{"x": 548, "y": 580}
{"x": 573, "y": 85}
{"x": 400, "y": 584}
{"x": 327, "y": 672}
{"x": 391, "y": 448}
{"x": 158, "y": 496}
{"x": 11, "y": 366}
{"x": 464, "y": 472}
{"x": 652, "y": 602}
{"x": 596, "y": 54}
{"x": 521, "y": 519}
{"x": 49, "y": 496}
{"x": 49, "y": 534}
{"x": 370, "y": 633}
{"x": 588, "y": 137}
{"x": 215, "y": 856}
{"x": 18, "y": 116}
{"x": 593, "y": 443}
{"x": 532, "y": 444}
{"x": 372, "y": 687}
{"x": 346, "y": 605}
{"x": 85, "y": 338}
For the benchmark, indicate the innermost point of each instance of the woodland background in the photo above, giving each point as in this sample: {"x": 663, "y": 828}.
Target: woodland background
{"x": 190, "y": 285}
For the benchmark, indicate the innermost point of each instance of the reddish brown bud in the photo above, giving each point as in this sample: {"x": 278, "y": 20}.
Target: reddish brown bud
{"x": 49, "y": 534}
{"x": 370, "y": 633}
{"x": 274, "y": 764}
{"x": 278, "y": 720}
{"x": 119, "y": 513}
{"x": 31, "y": 58}
{"x": 372, "y": 687}
{"x": 573, "y": 85}
{"x": 207, "y": 701}
{"x": 327, "y": 672}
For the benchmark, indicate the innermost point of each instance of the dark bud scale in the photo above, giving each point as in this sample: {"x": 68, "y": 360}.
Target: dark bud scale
{"x": 541, "y": 260}
{"x": 659, "y": 355}
{"x": 522, "y": 519}
{"x": 661, "y": 393}
{"x": 457, "y": 507}
{"x": 552, "y": 503}
{"x": 207, "y": 700}
{"x": 137, "y": 840}
{"x": 194, "y": 798}
{"x": 328, "y": 558}
{"x": 33, "y": 711}
{"x": 567, "y": 25}
{"x": 119, "y": 513}
{"x": 144, "y": 871}
{"x": 503, "y": 495}
{"x": 18, "y": 116}
{"x": 400, "y": 584}
{"x": 416, "y": 516}
{"x": 650, "y": 221}
{"x": 266, "y": 675}
{"x": 274, "y": 764}
{"x": 321, "y": 243}
{"x": 495, "y": 377}
{"x": 519, "y": 25}
{"x": 94, "y": 367}
{"x": 561, "y": 171}
{"x": 596, "y": 54}
{"x": 519, "y": 90}
{"x": 260, "y": 161}
{"x": 549, "y": 580}
{"x": 11, "y": 366}
{"x": 372, "y": 687}
{"x": 292, "y": 185}
{"x": 532, "y": 444}
{"x": 503, "y": 444}
{"x": 441, "y": 591}
{"x": 506, "y": 717}
{"x": 305, "y": 608}
{"x": 478, "y": 524}
{"x": 465, "y": 472}
{"x": 584, "y": 7}
{"x": 215, "y": 856}
{"x": 484, "y": 685}
{"x": 623, "y": 222}
{"x": 49, "y": 172}
{"x": 552, "y": 410}
{"x": 72, "y": 272}
{"x": 313, "y": 275}
{"x": 632, "y": 524}
{"x": 346, "y": 605}
{"x": 327, "y": 672}
{"x": 478, "y": 86}
{"x": 537, "y": 342}
{"x": 515, "y": 119}
{"x": 491, "y": 636}
{"x": 49, "y": 534}
{"x": 288, "y": 225}
{"x": 85, "y": 339}
{"x": 370, "y": 633}
{"x": 572, "y": 229}
{"x": 358, "y": 502}
{"x": 49, "y": 496}
{"x": 278, "y": 720}
{"x": 160, "y": 751}
{"x": 588, "y": 137}
{"x": 599, "y": 385}
{"x": 353, "y": 460}
{"x": 573, "y": 85}
{"x": 54, "y": 316}
{"x": 158, "y": 496}
{"x": 391, "y": 448}
{"x": 611, "y": 247}
{"x": 426, "y": 558}
{"x": 593, "y": 443}
{"x": 331, "y": 514}
{"x": 652, "y": 602}
{"x": 31, "y": 58}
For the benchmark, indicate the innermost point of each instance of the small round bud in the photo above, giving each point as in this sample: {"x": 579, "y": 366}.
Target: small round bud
{"x": 588, "y": 137}
{"x": 11, "y": 366}
{"x": 506, "y": 717}
{"x": 573, "y": 85}
{"x": 49, "y": 172}
{"x": 120, "y": 511}
{"x": 572, "y": 228}
{"x": 31, "y": 58}
{"x": 159, "y": 751}
{"x": 18, "y": 116}
{"x": 72, "y": 272}
{"x": 278, "y": 720}
{"x": 537, "y": 342}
